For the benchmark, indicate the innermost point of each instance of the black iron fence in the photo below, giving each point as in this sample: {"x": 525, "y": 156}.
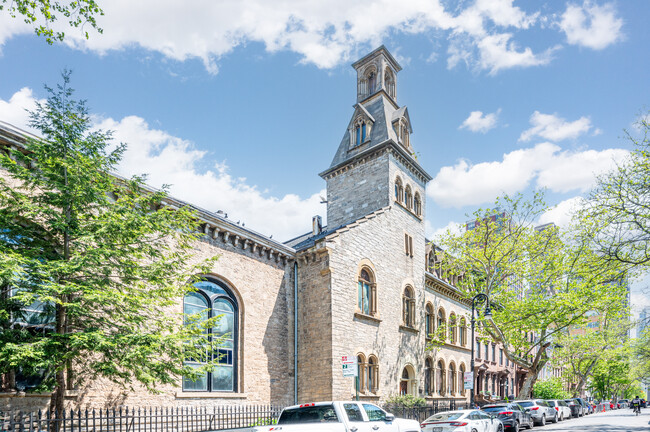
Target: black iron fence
{"x": 187, "y": 419}
{"x": 421, "y": 413}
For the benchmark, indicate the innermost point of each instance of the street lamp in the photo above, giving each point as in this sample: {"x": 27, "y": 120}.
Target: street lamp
{"x": 478, "y": 298}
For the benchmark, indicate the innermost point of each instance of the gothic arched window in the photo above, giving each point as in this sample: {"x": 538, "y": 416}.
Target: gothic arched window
{"x": 428, "y": 377}
{"x": 214, "y": 299}
{"x": 372, "y": 375}
{"x": 461, "y": 379}
{"x": 429, "y": 321}
{"x": 372, "y": 82}
{"x": 451, "y": 381}
{"x": 417, "y": 204}
{"x": 441, "y": 319}
{"x": 367, "y": 297}
{"x": 452, "y": 328}
{"x": 408, "y": 197}
{"x": 440, "y": 378}
{"x": 399, "y": 190}
{"x": 389, "y": 81}
{"x": 408, "y": 307}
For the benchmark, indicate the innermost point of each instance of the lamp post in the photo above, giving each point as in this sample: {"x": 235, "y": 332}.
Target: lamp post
{"x": 488, "y": 314}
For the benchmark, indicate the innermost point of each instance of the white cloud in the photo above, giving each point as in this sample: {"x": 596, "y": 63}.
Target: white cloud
{"x": 498, "y": 52}
{"x": 436, "y": 234}
{"x": 591, "y": 25}
{"x": 554, "y": 128}
{"x": 545, "y": 165}
{"x": 172, "y": 160}
{"x": 324, "y": 33}
{"x": 569, "y": 171}
{"x": 561, "y": 213}
{"x": 14, "y": 111}
{"x": 479, "y": 122}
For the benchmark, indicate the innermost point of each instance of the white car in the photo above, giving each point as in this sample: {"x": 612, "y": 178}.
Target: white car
{"x": 562, "y": 408}
{"x": 462, "y": 421}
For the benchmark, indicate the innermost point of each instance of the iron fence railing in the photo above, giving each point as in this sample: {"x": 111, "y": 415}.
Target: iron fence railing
{"x": 421, "y": 413}
{"x": 186, "y": 419}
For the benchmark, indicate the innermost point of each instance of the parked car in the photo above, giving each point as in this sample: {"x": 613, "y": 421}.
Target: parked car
{"x": 462, "y": 421}
{"x": 644, "y": 403}
{"x": 540, "y": 411}
{"x": 339, "y": 417}
{"x": 575, "y": 407}
{"x": 585, "y": 405}
{"x": 563, "y": 410}
{"x": 512, "y": 415}
{"x": 622, "y": 403}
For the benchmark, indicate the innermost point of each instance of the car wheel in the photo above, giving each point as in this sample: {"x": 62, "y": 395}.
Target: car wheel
{"x": 542, "y": 422}
{"x": 515, "y": 428}
{"x": 531, "y": 424}
{"x": 555, "y": 420}
{"x": 500, "y": 428}
{"x": 474, "y": 430}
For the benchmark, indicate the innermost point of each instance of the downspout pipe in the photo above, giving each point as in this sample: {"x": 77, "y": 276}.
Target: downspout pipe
{"x": 295, "y": 332}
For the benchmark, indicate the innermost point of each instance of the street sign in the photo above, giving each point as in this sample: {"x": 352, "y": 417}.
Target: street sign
{"x": 468, "y": 380}
{"x": 349, "y": 366}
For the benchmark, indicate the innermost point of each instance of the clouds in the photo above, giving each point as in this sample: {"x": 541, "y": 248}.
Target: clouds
{"x": 168, "y": 159}
{"x": 591, "y": 25}
{"x": 544, "y": 165}
{"x": 483, "y": 34}
{"x": 554, "y": 128}
{"x": 478, "y": 122}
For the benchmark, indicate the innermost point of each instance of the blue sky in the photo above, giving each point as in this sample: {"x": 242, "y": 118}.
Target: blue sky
{"x": 239, "y": 104}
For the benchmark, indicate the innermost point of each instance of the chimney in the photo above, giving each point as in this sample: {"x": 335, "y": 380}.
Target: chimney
{"x": 316, "y": 225}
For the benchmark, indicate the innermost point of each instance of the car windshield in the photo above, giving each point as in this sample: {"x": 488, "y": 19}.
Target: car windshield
{"x": 445, "y": 417}
{"x": 526, "y": 404}
{"x": 313, "y": 414}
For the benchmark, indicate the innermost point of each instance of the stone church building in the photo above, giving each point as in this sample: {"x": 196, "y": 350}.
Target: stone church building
{"x": 365, "y": 286}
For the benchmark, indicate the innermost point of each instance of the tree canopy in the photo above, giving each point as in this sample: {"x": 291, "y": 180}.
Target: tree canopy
{"x": 541, "y": 281}
{"x": 617, "y": 211}
{"x": 42, "y": 14}
{"x": 93, "y": 266}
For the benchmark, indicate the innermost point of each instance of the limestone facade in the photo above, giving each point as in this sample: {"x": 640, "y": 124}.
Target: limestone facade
{"x": 362, "y": 286}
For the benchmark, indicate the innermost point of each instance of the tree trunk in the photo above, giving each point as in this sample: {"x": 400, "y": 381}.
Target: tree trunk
{"x": 583, "y": 379}
{"x": 527, "y": 389}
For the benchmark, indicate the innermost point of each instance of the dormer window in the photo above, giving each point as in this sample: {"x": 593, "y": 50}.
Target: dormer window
{"x": 404, "y": 134}
{"x": 360, "y": 132}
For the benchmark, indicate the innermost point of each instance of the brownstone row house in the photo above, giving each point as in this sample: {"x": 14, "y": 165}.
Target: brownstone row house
{"x": 363, "y": 286}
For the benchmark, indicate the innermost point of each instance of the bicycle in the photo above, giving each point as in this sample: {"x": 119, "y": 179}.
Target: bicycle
{"x": 637, "y": 409}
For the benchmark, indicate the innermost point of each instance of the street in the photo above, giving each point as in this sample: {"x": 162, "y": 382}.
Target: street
{"x": 612, "y": 421}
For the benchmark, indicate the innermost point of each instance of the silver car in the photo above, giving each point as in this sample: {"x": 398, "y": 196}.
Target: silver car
{"x": 540, "y": 411}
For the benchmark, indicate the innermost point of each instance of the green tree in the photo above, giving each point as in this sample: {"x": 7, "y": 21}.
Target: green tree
{"x": 579, "y": 351}
{"x": 552, "y": 388}
{"x": 617, "y": 211}
{"x": 541, "y": 282}
{"x": 43, "y": 13}
{"x": 92, "y": 265}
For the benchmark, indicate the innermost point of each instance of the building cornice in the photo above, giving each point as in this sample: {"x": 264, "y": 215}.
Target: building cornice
{"x": 437, "y": 285}
{"x": 372, "y": 152}
{"x": 213, "y": 226}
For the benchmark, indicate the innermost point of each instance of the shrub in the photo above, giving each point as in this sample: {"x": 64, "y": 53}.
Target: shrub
{"x": 406, "y": 401}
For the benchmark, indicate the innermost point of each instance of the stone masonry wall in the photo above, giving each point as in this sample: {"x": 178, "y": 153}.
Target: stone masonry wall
{"x": 264, "y": 290}
{"x": 314, "y": 327}
{"x": 358, "y": 191}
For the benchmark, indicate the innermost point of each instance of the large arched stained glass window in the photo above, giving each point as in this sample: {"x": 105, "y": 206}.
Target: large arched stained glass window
{"x": 214, "y": 299}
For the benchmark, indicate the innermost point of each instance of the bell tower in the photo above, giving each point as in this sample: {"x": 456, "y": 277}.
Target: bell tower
{"x": 375, "y": 155}
{"x": 377, "y": 71}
